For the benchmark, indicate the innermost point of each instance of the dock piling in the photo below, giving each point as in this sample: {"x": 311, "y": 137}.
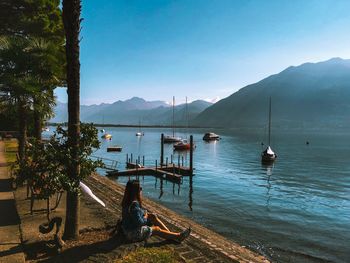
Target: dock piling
{"x": 191, "y": 154}
{"x": 182, "y": 161}
{"x": 143, "y": 160}
{"x": 178, "y": 161}
{"x": 131, "y": 158}
{"x": 162, "y": 149}
{"x": 127, "y": 157}
{"x": 166, "y": 162}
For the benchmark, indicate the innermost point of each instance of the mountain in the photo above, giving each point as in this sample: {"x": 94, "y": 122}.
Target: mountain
{"x": 309, "y": 95}
{"x": 130, "y": 112}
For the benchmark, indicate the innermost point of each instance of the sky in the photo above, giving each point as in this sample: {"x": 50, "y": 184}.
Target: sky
{"x": 202, "y": 49}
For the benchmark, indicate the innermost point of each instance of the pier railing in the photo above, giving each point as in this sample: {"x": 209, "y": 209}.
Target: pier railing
{"x": 109, "y": 164}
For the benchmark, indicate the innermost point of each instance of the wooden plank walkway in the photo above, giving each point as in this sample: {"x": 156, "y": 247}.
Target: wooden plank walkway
{"x": 147, "y": 172}
{"x": 170, "y": 172}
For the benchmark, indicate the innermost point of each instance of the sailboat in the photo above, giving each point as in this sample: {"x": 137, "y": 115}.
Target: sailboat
{"x": 169, "y": 138}
{"x": 105, "y": 135}
{"x": 183, "y": 145}
{"x": 268, "y": 156}
{"x": 139, "y": 133}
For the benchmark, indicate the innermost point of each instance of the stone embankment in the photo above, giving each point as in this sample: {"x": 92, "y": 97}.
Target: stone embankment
{"x": 204, "y": 245}
{"x": 97, "y": 245}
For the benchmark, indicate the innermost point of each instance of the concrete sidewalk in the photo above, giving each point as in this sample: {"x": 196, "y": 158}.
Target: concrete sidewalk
{"x": 10, "y": 241}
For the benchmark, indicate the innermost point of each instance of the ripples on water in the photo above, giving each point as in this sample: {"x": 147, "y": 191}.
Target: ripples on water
{"x": 295, "y": 210}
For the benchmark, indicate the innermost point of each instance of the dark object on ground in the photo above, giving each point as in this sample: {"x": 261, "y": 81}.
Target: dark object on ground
{"x": 48, "y": 227}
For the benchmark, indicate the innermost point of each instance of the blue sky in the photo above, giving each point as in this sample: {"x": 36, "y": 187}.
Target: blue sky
{"x": 202, "y": 49}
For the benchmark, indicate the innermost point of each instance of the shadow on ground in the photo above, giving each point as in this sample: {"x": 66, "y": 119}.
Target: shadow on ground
{"x": 114, "y": 247}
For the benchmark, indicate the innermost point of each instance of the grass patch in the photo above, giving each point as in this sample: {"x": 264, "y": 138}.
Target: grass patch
{"x": 151, "y": 255}
{"x": 11, "y": 148}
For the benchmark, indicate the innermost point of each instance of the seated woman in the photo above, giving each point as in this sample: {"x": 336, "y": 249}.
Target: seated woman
{"x": 137, "y": 224}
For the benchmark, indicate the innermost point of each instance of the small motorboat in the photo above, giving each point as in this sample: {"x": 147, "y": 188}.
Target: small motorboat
{"x": 102, "y": 130}
{"x": 140, "y": 134}
{"x": 210, "y": 136}
{"x": 171, "y": 139}
{"x": 114, "y": 148}
{"x": 107, "y": 136}
{"x": 183, "y": 146}
{"x": 268, "y": 156}
{"x": 46, "y": 129}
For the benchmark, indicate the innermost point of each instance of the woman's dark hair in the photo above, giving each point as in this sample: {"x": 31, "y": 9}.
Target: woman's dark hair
{"x": 132, "y": 193}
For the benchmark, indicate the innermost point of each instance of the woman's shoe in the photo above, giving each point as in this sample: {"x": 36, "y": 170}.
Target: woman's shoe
{"x": 184, "y": 234}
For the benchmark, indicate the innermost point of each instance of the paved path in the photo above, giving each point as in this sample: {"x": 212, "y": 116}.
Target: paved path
{"x": 10, "y": 241}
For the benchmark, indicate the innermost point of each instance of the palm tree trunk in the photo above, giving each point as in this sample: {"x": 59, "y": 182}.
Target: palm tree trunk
{"x": 71, "y": 21}
{"x": 37, "y": 119}
{"x": 22, "y": 117}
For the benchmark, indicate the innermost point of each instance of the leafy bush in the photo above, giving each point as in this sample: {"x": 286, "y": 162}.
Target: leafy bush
{"x": 46, "y": 167}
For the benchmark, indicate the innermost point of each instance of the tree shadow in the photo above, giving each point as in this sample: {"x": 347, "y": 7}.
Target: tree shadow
{"x": 9, "y": 215}
{"x": 116, "y": 246}
{"x": 12, "y": 250}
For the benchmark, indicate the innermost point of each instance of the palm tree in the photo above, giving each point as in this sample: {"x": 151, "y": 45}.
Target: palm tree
{"x": 14, "y": 73}
{"x": 71, "y": 22}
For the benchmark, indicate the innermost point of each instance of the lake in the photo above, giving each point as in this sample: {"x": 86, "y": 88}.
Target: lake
{"x": 297, "y": 210}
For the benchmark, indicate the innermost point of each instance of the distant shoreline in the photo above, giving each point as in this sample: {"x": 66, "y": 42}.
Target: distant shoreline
{"x": 137, "y": 126}
{"x": 259, "y": 129}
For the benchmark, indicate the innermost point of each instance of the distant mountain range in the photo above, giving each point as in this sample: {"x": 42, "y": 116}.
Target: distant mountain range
{"x": 133, "y": 111}
{"x": 312, "y": 95}
{"x": 307, "y": 96}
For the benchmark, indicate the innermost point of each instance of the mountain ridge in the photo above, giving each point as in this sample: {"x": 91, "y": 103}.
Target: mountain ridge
{"x": 300, "y": 94}
{"x": 131, "y": 111}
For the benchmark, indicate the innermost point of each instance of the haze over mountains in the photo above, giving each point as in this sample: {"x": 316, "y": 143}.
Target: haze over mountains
{"x": 133, "y": 111}
{"x": 312, "y": 95}
{"x": 307, "y": 96}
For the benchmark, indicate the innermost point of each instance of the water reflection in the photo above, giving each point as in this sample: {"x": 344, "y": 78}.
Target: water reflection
{"x": 190, "y": 194}
{"x": 268, "y": 168}
{"x": 161, "y": 189}
{"x": 178, "y": 185}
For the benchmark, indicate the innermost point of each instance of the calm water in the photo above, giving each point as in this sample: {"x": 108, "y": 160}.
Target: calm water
{"x": 296, "y": 210}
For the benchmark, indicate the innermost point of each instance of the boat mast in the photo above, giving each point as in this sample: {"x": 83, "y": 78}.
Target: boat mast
{"x": 186, "y": 118}
{"x": 173, "y": 116}
{"x": 270, "y": 122}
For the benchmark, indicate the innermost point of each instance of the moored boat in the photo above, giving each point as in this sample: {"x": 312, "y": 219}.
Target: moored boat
{"x": 171, "y": 139}
{"x": 107, "y": 136}
{"x": 268, "y": 156}
{"x": 114, "y": 148}
{"x": 183, "y": 145}
{"x": 139, "y": 133}
{"x": 210, "y": 136}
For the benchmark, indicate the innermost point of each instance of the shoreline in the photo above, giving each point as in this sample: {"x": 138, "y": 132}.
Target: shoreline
{"x": 202, "y": 237}
{"x": 98, "y": 245}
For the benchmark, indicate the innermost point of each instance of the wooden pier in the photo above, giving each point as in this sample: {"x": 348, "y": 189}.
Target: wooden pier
{"x": 169, "y": 171}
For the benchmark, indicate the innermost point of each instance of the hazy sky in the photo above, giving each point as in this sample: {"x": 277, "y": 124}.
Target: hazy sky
{"x": 202, "y": 49}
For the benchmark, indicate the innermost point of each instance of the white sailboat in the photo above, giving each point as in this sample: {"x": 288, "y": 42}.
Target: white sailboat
{"x": 106, "y": 135}
{"x": 269, "y": 156}
{"x": 139, "y": 133}
{"x": 184, "y": 145}
{"x": 169, "y": 138}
